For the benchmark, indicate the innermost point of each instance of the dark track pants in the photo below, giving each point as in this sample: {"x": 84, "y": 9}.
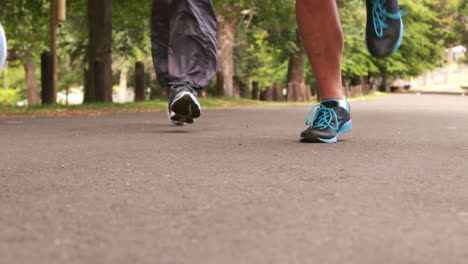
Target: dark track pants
{"x": 184, "y": 41}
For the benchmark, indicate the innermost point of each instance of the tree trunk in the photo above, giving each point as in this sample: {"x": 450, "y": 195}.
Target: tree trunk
{"x": 296, "y": 63}
{"x": 295, "y": 75}
{"x": 383, "y": 83}
{"x": 278, "y": 93}
{"x": 99, "y": 51}
{"x": 245, "y": 91}
{"x": 236, "y": 84}
{"x": 291, "y": 92}
{"x": 139, "y": 82}
{"x": 226, "y": 30}
{"x": 219, "y": 84}
{"x": 255, "y": 91}
{"x": 316, "y": 90}
{"x": 47, "y": 78}
{"x": 296, "y": 67}
{"x": 31, "y": 82}
{"x": 269, "y": 94}
{"x": 298, "y": 92}
{"x": 308, "y": 93}
{"x": 123, "y": 84}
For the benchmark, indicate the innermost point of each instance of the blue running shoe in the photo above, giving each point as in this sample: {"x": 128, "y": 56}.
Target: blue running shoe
{"x": 330, "y": 121}
{"x": 183, "y": 106}
{"x": 384, "y": 29}
{"x": 3, "y": 48}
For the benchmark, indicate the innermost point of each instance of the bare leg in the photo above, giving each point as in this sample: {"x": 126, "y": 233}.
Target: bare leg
{"x": 321, "y": 33}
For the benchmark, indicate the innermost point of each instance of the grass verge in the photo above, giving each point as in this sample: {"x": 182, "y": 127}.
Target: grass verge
{"x": 148, "y": 106}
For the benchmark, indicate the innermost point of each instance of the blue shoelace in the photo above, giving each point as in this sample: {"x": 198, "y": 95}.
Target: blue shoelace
{"x": 380, "y": 15}
{"x": 323, "y": 118}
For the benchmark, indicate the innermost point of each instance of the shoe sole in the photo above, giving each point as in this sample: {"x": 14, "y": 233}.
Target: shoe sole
{"x": 186, "y": 104}
{"x": 184, "y": 108}
{"x": 400, "y": 38}
{"x": 395, "y": 48}
{"x": 346, "y": 127}
{"x": 177, "y": 120}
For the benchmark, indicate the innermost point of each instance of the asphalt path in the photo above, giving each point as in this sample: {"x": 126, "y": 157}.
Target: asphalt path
{"x": 238, "y": 187}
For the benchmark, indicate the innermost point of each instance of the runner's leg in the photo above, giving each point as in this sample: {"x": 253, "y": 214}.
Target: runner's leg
{"x": 321, "y": 33}
{"x": 160, "y": 40}
{"x": 193, "y": 42}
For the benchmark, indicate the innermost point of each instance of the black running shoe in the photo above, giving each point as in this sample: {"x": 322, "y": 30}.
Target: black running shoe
{"x": 384, "y": 29}
{"x": 330, "y": 121}
{"x": 183, "y": 105}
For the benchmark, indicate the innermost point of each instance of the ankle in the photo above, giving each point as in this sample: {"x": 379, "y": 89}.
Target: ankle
{"x": 341, "y": 102}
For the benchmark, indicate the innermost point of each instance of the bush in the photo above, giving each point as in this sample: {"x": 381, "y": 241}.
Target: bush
{"x": 463, "y": 59}
{"x": 9, "y": 97}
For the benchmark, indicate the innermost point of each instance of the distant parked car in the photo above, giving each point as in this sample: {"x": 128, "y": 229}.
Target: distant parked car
{"x": 400, "y": 84}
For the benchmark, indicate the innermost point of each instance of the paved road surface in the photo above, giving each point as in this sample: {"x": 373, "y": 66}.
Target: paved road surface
{"x": 238, "y": 187}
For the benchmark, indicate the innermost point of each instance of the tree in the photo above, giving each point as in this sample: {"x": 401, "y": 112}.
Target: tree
{"x": 460, "y": 26}
{"x": 26, "y": 24}
{"x": 421, "y": 49}
{"x": 129, "y": 42}
{"x": 98, "y": 86}
{"x": 259, "y": 36}
{"x": 131, "y": 38}
{"x": 268, "y": 46}
{"x": 423, "y": 46}
{"x": 259, "y": 61}
{"x": 279, "y": 18}
{"x": 230, "y": 13}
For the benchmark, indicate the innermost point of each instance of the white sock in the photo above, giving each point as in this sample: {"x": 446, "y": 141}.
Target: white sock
{"x": 343, "y": 103}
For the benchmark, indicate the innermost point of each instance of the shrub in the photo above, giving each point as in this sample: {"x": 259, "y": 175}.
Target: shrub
{"x": 9, "y": 97}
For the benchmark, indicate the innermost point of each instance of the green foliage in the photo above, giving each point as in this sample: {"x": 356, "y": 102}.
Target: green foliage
{"x": 460, "y": 26}
{"x": 265, "y": 37}
{"x": 463, "y": 59}
{"x": 356, "y": 60}
{"x": 14, "y": 77}
{"x": 232, "y": 9}
{"x": 279, "y": 20}
{"x": 9, "y": 96}
{"x": 72, "y": 39}
{"x": 130, "y": 29}
{"x": 421, "y": 50}
{"x": 110, "y": 108}
{"x": 260, "y": 61}
{"x": 26, "y": 26}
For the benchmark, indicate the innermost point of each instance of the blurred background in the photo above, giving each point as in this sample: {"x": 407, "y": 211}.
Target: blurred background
{"x": 103, "y": 51}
